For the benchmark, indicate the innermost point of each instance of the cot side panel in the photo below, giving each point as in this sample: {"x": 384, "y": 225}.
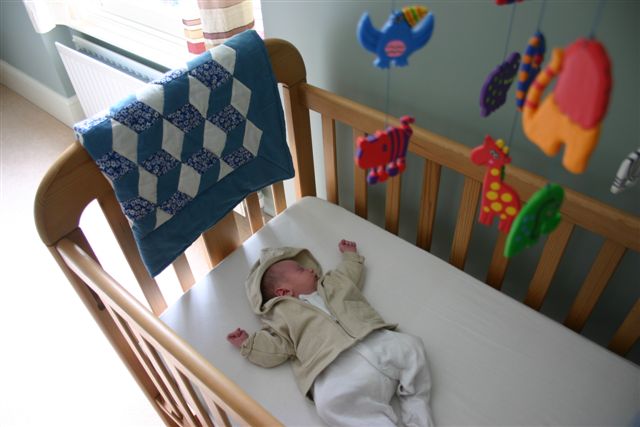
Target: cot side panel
{"x": 94, "y": 304}
{"x": 154, "y": 334}
{"x": 579, "y": 209}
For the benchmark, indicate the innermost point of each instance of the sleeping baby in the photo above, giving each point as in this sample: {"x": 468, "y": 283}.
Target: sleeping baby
{"x": 345, "y": 357}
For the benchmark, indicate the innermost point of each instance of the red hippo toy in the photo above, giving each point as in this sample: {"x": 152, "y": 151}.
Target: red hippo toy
{"x": 385, "y": 151}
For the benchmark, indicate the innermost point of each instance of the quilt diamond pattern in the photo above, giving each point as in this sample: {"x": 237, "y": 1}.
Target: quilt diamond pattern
{"x": 159, "y": 163}
{"x": 182, "y": 151}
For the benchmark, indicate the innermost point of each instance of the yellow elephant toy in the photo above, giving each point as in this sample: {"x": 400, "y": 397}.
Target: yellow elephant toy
{"x": 573, "y": 113}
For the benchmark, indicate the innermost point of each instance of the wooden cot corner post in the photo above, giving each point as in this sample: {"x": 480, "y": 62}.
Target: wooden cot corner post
{"x": 289, "y": 69}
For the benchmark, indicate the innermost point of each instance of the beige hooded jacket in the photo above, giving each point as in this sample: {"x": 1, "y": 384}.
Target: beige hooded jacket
{"x": 301, "y": 332}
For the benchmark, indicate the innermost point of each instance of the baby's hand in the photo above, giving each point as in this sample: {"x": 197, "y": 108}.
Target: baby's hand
{"x": 347, "y": 246}
{"x": 237, "y": 337}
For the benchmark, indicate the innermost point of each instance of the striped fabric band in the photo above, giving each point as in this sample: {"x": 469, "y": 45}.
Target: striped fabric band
{"x": 222, "y": 19}
{"x": 193, "y": 35}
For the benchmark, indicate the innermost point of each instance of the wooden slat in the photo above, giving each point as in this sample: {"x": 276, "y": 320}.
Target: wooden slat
{"x": 219, "y": 416}
{"x": 548, "y": 264}
{"x": 104, "y": 320}
{"x": 428, "y": 203}
{"x": 628, "y": 333}
{"x": 499, "y": 263}
{"x": 583, "y": 211}
{"x": 224, "y": 391}
{"x": 464, "y": 223}
{"x": 196, "y": 404}
{"x": 128, "y": 334}
{"x": 279, "y": 198}
{"x": 184, "y": 273}
{"x": 299, "y": 134}
{"x": 392, "y": 204}
{"x": 330, "y": 158}
{"x": 360, "y": 183}
{"x": 252, "y": 204}
{"x": 170, "y": 381}
{"x": 122, "y": 231}
{"x": 606, "y": 263}
{"x": 221, "y": 239}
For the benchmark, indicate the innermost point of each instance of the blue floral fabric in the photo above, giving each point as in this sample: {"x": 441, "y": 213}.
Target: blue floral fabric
{"x": 182, "y": 152}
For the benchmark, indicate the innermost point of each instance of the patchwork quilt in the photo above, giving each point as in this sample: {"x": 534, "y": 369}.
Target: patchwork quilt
{"x": 186, "y": 149}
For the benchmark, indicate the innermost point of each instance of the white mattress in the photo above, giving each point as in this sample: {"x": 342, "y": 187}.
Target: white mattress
{"x": 494, "y": 361}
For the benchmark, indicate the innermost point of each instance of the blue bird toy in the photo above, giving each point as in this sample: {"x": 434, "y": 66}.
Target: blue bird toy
{"x": 405, "y": 31}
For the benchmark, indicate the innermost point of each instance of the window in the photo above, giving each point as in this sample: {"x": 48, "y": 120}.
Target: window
{"x": 152, "y": 29}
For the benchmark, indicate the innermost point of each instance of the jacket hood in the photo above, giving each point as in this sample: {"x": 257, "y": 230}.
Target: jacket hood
{"x": 268, "y": 257}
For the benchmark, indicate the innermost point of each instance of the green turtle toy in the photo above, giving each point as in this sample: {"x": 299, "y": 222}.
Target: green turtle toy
{"x": 540, "y": 215}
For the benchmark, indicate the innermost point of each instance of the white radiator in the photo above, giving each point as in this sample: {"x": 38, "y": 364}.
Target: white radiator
{"x": 97, "y": 84}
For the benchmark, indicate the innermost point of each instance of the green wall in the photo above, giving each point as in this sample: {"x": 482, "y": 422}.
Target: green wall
{"x": 32, "y": 53}
{"x": 441, "y": 89}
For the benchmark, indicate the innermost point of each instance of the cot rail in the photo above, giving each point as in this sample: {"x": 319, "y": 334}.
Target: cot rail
{"x": 620, "y": 230}
{"x": 174, "y": 369}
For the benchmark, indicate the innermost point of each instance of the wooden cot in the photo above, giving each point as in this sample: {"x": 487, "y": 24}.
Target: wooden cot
{"x": 184, "y": 388}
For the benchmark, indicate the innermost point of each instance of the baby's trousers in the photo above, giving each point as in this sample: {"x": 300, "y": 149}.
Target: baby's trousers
{"x": 357, "y": 388}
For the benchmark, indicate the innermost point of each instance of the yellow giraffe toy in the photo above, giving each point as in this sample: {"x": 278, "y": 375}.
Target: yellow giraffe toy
{"x": 497, "y": 197}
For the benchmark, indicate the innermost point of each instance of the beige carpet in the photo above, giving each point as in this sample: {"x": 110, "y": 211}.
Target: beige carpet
{"x": 56, "y": 367}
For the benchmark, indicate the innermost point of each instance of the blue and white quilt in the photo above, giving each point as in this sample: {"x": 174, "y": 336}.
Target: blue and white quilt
{"x": 186, "y": 149}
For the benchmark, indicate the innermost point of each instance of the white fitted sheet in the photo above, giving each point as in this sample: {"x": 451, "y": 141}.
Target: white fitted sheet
{"x": 494, "y": 361}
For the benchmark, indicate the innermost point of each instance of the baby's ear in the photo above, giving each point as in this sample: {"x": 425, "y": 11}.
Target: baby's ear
{"x": 281, "y": 292}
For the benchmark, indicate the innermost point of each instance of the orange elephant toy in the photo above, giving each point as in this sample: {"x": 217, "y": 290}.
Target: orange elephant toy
{"x": 573, "y": 113}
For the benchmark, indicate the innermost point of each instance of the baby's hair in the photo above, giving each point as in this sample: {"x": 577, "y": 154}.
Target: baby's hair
{"x": 269, "y": 283}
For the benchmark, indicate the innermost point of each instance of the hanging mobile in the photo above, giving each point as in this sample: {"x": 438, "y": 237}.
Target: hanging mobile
{"x": 573, "y": 113}
{"x": 498, "y": 198}
{"x": 628, "y": 173}
{"x": 405, "y": 31}
{"x": 540, "y": 215}
{"x": 530, "y": 67}
{"x": 384, "y": 152}
{"x": 494, "y": 90}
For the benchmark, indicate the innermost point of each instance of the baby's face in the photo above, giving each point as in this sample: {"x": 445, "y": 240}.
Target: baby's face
{"x": 299, "y": 280}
